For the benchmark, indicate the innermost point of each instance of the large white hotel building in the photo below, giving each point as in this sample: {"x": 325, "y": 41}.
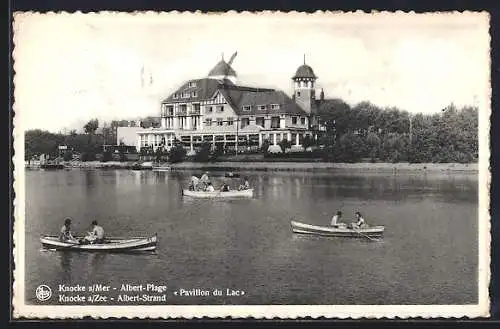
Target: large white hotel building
{"x": 217, "y": 110}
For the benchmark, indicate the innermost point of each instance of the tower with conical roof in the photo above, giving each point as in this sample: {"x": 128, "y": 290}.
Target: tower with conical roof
{"x": 303, "y": 81}
{"x": 223, "y": 71}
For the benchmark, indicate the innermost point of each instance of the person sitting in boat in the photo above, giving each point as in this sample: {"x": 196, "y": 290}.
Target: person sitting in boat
{"x": 336, "y": 218}
{"x": 66, "y": 234}
{"x": 245, "y": 185}
{"x": 209, "y": 188}
{"x": 193, "y": 183}
{"x": 96, "y": 235}
{"x": 204, "y": 178}
{"x": 360, "y": 220}
{"x": 225, "y": 187}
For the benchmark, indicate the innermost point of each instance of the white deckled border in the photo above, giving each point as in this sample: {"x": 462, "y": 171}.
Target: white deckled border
{"x": 255, "y": 311}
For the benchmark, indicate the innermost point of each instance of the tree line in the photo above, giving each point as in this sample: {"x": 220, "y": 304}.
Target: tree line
{"x": 366, "y": 131}
{"x": 363, "y": 132}
{"x": 88, "y": 142}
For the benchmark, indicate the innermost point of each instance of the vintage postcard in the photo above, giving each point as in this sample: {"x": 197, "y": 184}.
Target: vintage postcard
{"x": 253, "y": 164}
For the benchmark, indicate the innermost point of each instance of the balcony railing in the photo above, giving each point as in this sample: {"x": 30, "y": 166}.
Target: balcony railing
{"x": 167, "y": 114}
{"x": 195, "y": 111}
{"x": 181, "y": 112}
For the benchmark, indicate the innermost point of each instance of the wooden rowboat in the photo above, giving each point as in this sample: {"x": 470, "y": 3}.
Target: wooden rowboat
{"x": 218, "y": 194}
{"x": 110, "y": 245}
{"x": 371, "y": 232}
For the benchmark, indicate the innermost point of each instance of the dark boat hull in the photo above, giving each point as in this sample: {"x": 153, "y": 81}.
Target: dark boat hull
{"x": 51, "y": 166}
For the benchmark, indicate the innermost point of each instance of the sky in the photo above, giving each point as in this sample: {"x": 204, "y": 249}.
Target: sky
{"x": 70, "y": 68}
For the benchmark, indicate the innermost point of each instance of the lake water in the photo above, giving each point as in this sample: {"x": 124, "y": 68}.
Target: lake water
{"x": 429, "y": 254}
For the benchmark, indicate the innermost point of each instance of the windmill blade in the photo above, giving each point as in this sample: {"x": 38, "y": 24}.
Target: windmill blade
{"x": 232, "y": 58}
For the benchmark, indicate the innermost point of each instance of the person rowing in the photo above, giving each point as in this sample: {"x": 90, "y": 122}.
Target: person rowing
{"x": 66, "y": 235}
{"x": 360, "y": 220}
{"x": 94, "y": 236}
{"x": 335, "y": 219}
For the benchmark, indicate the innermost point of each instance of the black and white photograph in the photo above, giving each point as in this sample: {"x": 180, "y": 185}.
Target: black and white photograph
{"x": 252, "y": 164}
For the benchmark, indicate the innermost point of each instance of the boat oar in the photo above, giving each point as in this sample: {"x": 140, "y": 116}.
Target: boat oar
{"x": 362, "y": 234}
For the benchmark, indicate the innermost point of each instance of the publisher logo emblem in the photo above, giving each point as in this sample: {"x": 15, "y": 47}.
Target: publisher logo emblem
{"x": 43, "y": 293}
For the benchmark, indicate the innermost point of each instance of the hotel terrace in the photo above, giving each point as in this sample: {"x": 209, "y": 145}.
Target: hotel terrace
{"x": 217, "y": 110}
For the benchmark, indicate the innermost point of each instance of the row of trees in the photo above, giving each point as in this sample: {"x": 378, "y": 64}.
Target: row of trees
{"x": 367, "y": 131}
{"x": 88, "y": 142}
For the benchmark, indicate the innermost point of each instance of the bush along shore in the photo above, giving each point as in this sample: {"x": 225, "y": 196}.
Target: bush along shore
{"x": 328, "y": 167}
{"x": 288, "y": 166}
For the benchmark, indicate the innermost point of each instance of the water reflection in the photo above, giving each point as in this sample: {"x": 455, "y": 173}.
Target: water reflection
{"x": 89, "y": 179}
{"x": 66, "y": 265}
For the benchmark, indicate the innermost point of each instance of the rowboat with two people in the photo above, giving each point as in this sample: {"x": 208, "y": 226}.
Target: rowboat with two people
{"x": 203, "y": 188}
{"x": 358, "y": 229}
{"x": 95, "y": 241}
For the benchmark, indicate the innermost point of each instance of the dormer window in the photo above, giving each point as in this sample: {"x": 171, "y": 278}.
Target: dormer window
{"x": 262, "y": 107}
{"x": 192, "y": 84}
{"x": 176, "y": 96}
{"x": 275, "y": 106}
{"x": 186, "y": 94}
{"x": 194, "y": 94}
{"x": 247, "y": 108}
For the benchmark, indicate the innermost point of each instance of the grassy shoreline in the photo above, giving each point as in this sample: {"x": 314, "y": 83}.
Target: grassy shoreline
{"x": 294, "y": 166}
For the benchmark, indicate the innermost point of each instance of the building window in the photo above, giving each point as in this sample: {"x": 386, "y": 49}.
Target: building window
{"x": 298, "y": 93}
{"x": 259, "y": 121}
{"x": 186, "y": 94}
{"x": 294, "y": 120}
{"x": 219, "y": 121}
{"x": 208, "y": 122}
{"x": 192, "y": 84}
{"x": 194, "y": 94}
{"x": 245, "y": 122}
{"x": 209, "y": 109}
{"x": 275, "y": 106}
{"x": 221, "y": 109}
{"x": 247, "y": 108}
{"x": 303, "y": 121}
{"x": 275, "y": 122}
{"x": 230, "y": 121}
{"x": 176, "y": 96}
{"x": 262, "y": 107}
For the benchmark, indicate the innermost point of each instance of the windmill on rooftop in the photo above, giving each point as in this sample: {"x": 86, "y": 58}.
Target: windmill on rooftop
{"x": 223, "y": 71}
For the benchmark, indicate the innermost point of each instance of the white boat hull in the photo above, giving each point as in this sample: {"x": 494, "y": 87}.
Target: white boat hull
{"x": 111, "y": 244}
{"x": 218, "y": 194}
{"x": 367, "y": 232}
